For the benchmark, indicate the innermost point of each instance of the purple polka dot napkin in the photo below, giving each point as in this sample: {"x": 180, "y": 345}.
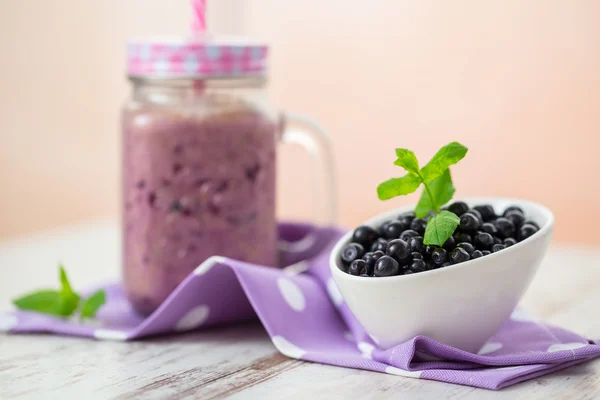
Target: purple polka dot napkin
{"x": 307, "y": 318}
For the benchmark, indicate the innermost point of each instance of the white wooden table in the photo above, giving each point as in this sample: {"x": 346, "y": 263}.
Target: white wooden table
{"x": 240, "y": 361}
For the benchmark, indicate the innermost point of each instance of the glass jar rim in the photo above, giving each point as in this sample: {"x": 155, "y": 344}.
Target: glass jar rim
{"x": 212, "y": 81}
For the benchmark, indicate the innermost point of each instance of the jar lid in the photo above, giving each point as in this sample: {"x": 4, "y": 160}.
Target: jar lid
{"x": 195, "y": 58}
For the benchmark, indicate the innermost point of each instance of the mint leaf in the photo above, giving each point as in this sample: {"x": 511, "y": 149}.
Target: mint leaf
{"x": 69, "y": 299}
{"x": 398, "y": 186}
{"x": 442, "y": 190}
{"x": 61, "y": 302}
{"x": 43, "y": 301}
{"x": 407, "y": 160}
{"x": 444, "y": 158}
{"x": 64, "y": 280}
{"x": 92, "y": 304}
{"x": 440, "y": 227}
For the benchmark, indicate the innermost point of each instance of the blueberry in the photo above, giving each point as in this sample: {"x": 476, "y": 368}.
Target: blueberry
{"x": 357, "y": 267}
{"x": 439, "y": 256}
{"x": 490, "y": 228}
{"x": 459, "y": 255}
{"x": 458, "y": 208}
{"x": 398, "y": 249}
{"x": 468, "y": 247}
{"x": 365, "y": 236}
{"x": 526, "y": 231}
{"x": 370, "y": 258}
{"x": 486, "y": 252}
{"x": 429, "y": 215}
{"x": 516, "y": 217}
{"x": 512, "y": 208}
{"x": 469, "y": 222}
{"x": 498, "y": 247}
{"x": 429, "y": 250}
{"x": 382, "y": 228}
{"x": 509, "y": 242}
{"x": 407, "y": 214}
{"x": 379, "y": 244}
{"x": 407, "y": 234}
{"x": 364, "y": 275}
{"x": 431, "y": 265}
{"x": 476, "y": 213}
{"x": 505, "y": 227}
{"x": 386, "y": 266}
{"x": 351, "y": 252}
{"x": 497, "y": 240}
{"x": 532, "y": 223}
{"x": 378, "y": 254}
{"x": 487, "y": 212}
{"x": 405, "y": 223}
{"x": 405, "y": 219}
{"x": 418, "y": 266}
{"x": 416, "y": 256}
{"x": 450, "y": 244}
{"x": 483, "y": 240}
{"x": 462, "y": 237}
{"x": 416, "y": 244}
{"x": 418, "y": 225}
{"x": 446, "y": 264}
{"x": 370, "y": 262}
{"x": 476, "y": 254}
{"x": 393, "y": 229}
{"x": 408, "y": 272}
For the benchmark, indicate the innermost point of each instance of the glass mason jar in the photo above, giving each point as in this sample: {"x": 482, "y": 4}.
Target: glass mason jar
{"x": 199, "y": 163}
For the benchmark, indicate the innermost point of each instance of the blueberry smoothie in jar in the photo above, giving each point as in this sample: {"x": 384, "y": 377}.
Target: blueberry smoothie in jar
{"x": 199, "y": 155}
{"x": 198, "y": 171}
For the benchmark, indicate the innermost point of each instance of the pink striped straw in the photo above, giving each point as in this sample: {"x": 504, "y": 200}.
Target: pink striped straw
{"x": 199, "y": 22}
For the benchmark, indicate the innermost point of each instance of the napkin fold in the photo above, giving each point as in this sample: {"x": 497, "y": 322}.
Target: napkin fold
{"x": 307, "y": 318}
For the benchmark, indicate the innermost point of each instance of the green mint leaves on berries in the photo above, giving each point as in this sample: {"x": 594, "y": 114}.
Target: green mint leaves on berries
{"x": 440, "y": 227}
{"x": 437, "y": 189}
{"x": 64, "y": 302}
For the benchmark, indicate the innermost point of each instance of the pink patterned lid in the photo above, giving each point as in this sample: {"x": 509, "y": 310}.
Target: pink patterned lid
{"x": 195, "y": 58}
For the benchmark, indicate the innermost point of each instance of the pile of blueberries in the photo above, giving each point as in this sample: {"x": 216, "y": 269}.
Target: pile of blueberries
{"x": 397, "y": 247}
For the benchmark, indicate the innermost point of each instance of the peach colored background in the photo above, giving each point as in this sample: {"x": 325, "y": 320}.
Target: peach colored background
{"x": 516, "y": 81}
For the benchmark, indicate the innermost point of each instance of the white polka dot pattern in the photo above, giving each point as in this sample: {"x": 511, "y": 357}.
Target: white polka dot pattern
{"x": 402, "y": 372}
{"x": 366, "y": 349}
{"x": 490, "y": 348}
{"x": 208, "y": 264}
{"x": 521, "y": 315}
{"x": 110, "y": 334}
{"x": 565, "y": 346}
{"x": 193, "y": 319}
{"x": 287, "y": 348}
{"x": 292, "y": 294}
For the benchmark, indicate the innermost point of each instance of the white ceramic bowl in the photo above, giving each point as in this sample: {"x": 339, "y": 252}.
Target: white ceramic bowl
{"x": 461, "y": 305}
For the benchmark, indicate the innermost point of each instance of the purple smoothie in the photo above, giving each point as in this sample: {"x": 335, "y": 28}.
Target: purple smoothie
{"x": 194, "y": 186}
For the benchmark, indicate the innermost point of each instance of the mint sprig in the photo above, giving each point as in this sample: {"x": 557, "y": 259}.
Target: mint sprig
{"x": 441, "y": 189}
{"x": 63, "y": 302}
{"x": 438, "y": 189}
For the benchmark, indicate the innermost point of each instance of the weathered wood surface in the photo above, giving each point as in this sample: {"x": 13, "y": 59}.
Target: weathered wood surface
{"x": 240, "y": 361}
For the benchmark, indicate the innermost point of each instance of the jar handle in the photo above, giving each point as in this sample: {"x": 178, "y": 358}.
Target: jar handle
{"x": 315, "y": 140}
